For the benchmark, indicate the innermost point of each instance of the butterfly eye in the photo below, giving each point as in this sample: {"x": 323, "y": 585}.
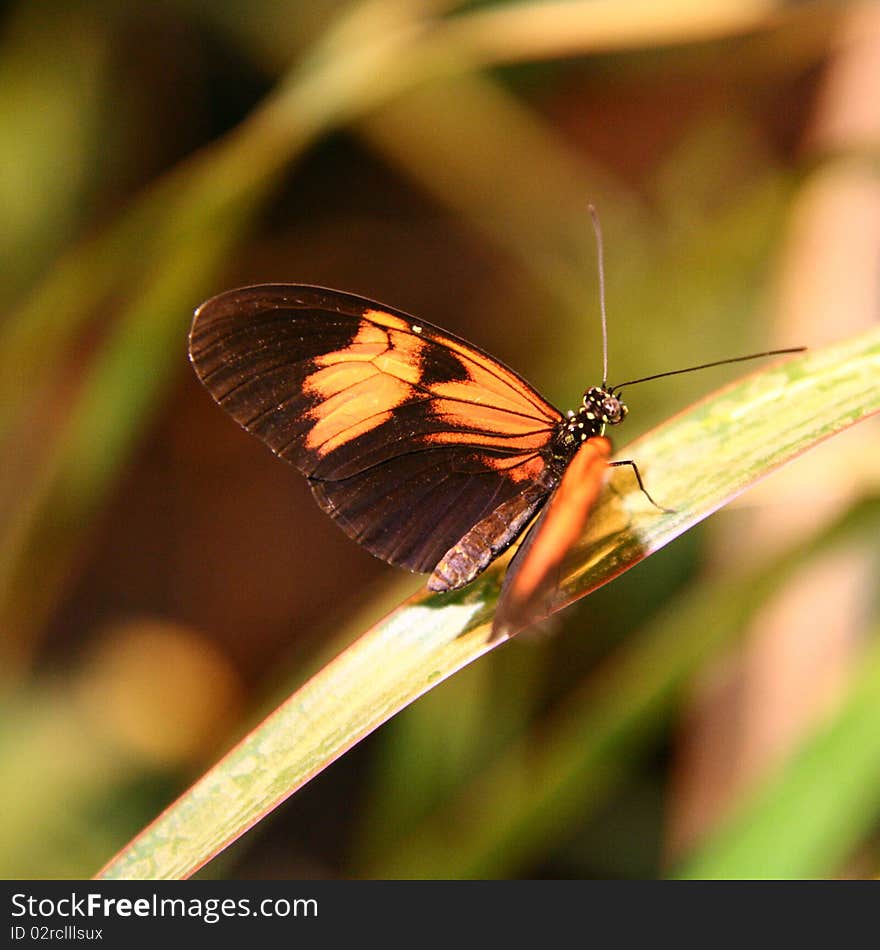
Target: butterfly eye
{"x": 612, "y": 409}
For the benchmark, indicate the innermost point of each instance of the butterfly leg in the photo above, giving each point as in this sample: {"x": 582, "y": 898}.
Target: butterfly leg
{"x": 638, "y": 475}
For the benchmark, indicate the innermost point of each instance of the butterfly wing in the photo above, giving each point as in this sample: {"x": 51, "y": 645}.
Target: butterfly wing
{"x": 532, "y": 576}
{"x": 408, "y": 435}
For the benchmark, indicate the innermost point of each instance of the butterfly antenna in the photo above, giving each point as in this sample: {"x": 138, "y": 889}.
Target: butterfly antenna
{"x": 597, "y": 228}
{"x": 690, "y": 369}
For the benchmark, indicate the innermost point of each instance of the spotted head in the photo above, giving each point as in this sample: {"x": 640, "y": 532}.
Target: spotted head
{"x": 603, "y": 407}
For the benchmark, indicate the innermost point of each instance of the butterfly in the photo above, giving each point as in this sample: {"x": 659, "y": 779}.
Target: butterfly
{"x": 423, "y": 448}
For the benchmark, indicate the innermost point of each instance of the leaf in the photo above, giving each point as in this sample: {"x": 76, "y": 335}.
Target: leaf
{"x": 805, "y": 819}
{"x": 695, "y": 462}
{"x": 524, "y": 801}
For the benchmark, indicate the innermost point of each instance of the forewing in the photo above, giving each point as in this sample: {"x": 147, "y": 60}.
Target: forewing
{"x": 408, "y": 434}
{"x": 533, "y": 574}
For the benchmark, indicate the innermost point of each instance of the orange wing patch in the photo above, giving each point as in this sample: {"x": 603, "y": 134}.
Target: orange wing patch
{"x": 359, "y": 387}
{"x": 359, "y": 407}
{"x": 489, "y": 382}
{"x": 384, "y": 318}
{"x": 382, "y": 369}
{"x": 468, "y": 417}
{"x": 369, "y": 342}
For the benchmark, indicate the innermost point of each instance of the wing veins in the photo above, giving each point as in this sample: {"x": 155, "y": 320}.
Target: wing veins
{"x": 428, "y": 448}
{"x": 249, "y": 379}
{"x": 463, "y": 349}
{"x": 476, "y": 433}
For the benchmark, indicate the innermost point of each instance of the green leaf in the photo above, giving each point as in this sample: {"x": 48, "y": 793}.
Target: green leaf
{"x": 527, "y": 799}
{"x": 695, "y": 463}
{"x": 806, "y": 818}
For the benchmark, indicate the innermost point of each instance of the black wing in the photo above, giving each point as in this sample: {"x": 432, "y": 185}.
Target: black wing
{"x": 408, "y": 435}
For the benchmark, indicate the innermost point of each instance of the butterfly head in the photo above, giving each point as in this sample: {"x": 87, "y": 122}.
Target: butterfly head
{"x": 603, "y": 407}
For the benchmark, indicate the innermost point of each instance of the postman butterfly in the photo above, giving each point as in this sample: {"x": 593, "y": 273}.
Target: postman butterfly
{"x": 423, "y": 448}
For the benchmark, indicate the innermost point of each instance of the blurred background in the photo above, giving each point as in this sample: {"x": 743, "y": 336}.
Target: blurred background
{"x": 165, "y": 582}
